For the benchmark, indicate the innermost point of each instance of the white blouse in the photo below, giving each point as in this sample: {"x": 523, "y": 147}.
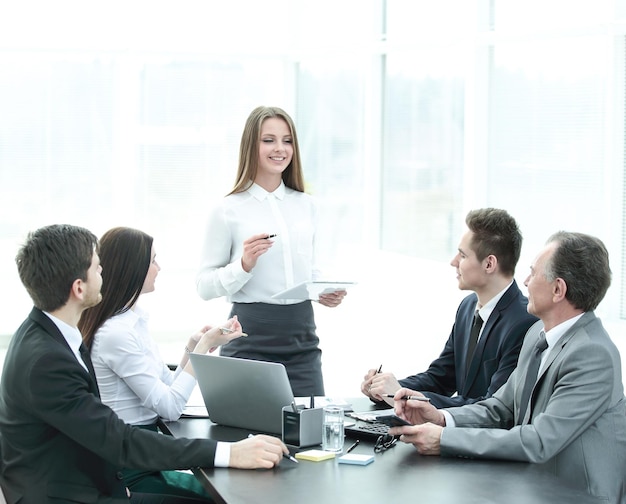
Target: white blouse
{"x": 133, "y": 379}
{"x": 291, "y": 260}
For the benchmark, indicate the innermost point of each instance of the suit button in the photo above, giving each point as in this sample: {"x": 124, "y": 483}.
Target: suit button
{"x": 119, "y": 475}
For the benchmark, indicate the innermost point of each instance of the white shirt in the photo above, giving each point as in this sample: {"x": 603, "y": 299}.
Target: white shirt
{"x": 72, "y": 336}
{"x": 486, "y": 311}
{"x": 291, "y": 260}
{"x": 555, "y": 334}
{"x": 133, "y": 379}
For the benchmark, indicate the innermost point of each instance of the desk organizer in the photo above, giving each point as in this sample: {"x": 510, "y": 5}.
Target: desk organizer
{"x": 303, "y": 428}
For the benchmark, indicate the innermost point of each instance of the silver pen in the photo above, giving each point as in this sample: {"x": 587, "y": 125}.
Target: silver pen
{"x": 226, "y": 330}
{"x": 409, "y": 397}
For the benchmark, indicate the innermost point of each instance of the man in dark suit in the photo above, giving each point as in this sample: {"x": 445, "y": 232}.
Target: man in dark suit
{"x": 563, "y": 406}
{"x": 58, "y": 442}
{"x": 474, "y": 363}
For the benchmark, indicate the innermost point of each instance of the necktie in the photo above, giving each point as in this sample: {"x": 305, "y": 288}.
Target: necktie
{"x": 478, "y": 323}
{"x": 531, "y": 375}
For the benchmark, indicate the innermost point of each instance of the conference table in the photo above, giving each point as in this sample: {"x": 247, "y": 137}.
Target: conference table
{"x": 398, "y": 474}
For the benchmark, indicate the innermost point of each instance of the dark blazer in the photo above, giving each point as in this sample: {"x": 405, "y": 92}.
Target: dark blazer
{"x": 494, "y": 359}
{"x": 58, "y": 442}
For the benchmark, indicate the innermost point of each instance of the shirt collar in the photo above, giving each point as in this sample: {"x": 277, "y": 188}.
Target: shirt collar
{"x": 132, "y": 316}
{"x": 71, "y": 334}
{"x": 555, "y": 334}
{"x": 259, "y": 193}
{"x": 485, "y": 311}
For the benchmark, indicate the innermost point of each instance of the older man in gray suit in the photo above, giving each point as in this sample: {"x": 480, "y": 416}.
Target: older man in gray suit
{"x": 572, "y": 416}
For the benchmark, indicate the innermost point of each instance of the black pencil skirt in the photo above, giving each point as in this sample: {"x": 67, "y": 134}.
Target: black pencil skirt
{"x": 285, "y": 334}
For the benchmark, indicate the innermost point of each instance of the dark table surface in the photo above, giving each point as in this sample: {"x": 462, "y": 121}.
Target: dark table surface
{"x": 399, "y": 474}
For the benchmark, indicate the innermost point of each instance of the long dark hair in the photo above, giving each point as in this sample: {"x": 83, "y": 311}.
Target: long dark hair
{"x": 125, "y": 256}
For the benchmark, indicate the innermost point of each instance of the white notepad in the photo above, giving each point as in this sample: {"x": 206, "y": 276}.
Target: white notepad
{"x": 356, "y": 459}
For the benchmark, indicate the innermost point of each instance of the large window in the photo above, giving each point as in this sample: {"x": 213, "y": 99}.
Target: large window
{"x": 409, "y": 113}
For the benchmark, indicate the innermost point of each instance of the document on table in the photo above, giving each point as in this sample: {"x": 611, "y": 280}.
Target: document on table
{"x": 195, "y": 405}
{"x": 321, "y": 401}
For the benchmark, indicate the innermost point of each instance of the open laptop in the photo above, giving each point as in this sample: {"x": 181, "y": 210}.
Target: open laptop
{"x": 243, "y": 393}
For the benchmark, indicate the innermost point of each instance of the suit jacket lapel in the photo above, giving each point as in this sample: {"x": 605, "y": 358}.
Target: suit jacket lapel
{"x": 50, "y": 327}
{"x": 560, "y": 344}
{"x": 471, "y": 373}
{"x": 554, "y": 352}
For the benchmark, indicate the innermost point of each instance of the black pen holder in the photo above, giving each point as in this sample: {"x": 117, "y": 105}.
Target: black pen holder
{"x": 303, "y": 428}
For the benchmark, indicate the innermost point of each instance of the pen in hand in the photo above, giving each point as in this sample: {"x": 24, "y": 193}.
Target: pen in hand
{"x": 226, "y": 330}
{"x": 293, "y": 459}
{"x": 409, "y": 397}
{"x": 380, "y": 368}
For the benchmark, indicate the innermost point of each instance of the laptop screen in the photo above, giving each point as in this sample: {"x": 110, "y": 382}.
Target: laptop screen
{"x": 243, "y": 393}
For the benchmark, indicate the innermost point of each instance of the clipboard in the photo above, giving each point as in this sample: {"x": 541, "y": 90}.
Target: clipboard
{"x": 312, "y": 290}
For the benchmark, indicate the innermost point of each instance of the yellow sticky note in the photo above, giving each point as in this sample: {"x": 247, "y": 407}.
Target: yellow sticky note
{"x": 315, "y": 455}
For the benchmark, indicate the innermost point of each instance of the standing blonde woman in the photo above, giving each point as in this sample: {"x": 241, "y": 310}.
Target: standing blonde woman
{"x": 260, "y": 240}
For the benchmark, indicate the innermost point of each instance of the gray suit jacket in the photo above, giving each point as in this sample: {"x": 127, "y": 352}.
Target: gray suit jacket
{"x": 577, "y": 426}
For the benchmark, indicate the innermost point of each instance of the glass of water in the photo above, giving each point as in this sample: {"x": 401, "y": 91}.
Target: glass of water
{"x": 332, "y": 433}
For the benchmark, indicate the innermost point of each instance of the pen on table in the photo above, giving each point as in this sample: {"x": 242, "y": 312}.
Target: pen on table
{"x": 356, "y": 443}
{"x": 293, "y": 459}
{"x": 226, "y": 330}
{"x": 409, "y": 397}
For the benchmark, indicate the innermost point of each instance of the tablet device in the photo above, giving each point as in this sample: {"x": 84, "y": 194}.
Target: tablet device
{"x": 312, "y": 289}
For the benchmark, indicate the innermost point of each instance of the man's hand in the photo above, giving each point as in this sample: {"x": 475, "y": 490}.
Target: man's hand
{"x": 257, "y": 452}
{"x": 426, "y": 438}
{"x": 375, "y": 385}
{"x": 416, "y": 412}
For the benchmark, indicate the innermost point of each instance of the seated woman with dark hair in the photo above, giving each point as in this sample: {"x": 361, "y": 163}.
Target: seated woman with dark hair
{"x": 132, "y": 378}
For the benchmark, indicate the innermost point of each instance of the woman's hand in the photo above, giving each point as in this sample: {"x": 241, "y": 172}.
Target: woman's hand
{"x": 214, "y": 337}
{"x": 253, "y": 248}
{"x": 332, "y": 299}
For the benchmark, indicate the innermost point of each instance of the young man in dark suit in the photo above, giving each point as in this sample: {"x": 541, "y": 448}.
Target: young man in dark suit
{"x": 58, "y": 442}
{"x": 480, "y": 354}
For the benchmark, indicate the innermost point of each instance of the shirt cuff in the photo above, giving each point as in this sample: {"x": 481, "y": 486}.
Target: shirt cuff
{"x": 222, "y": 454}
{"x": 184, "y": 385}
{"x": 449, "y": 419}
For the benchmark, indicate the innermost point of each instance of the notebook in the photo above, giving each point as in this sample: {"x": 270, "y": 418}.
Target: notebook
{"x": 243, "y": 393}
